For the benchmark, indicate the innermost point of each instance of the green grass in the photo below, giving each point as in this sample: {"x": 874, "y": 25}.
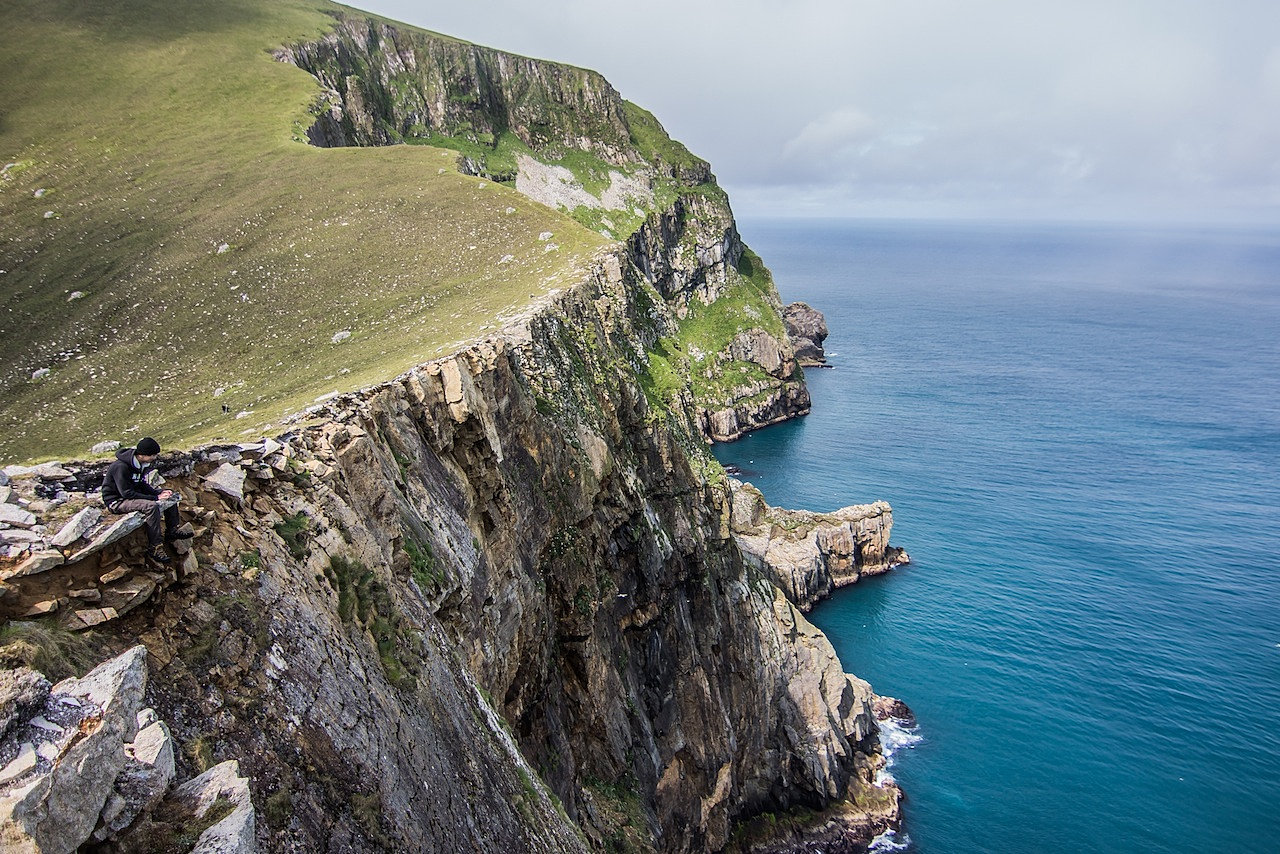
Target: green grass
{"x": 365, "y": 601}
{"x": 689, "y": 358}
{"x": 293, "y": 531}
{"x": 47, "y": 648}
{"x": 423, "y": 565}
{"x": 653, "y": 143}
{"x": 160, "y": 132}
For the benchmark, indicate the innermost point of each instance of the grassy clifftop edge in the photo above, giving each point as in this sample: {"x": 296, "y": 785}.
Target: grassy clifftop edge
{"x": 177, "y": 263}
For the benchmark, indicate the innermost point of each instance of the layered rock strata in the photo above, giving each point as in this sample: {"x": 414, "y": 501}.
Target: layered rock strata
{"x": 515, "y": 522}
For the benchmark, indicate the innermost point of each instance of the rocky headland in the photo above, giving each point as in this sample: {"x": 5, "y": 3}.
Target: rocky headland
{"x": 807, "y": 329}
{"x": 506, "y": 599}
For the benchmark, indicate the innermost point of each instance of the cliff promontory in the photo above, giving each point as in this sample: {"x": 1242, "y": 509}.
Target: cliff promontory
{"x": 504, "y": 599}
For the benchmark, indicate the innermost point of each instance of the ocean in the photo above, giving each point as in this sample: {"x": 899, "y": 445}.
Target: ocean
{"x": 1079, "y": 431}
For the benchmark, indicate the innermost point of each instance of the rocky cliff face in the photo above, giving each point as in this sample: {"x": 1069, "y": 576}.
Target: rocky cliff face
{"x": 514, "y": 533}
{"x": 386, "y": 83}
{"x": 508, "y": 597}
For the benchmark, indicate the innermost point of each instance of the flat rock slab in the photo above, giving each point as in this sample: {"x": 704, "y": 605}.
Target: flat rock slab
{"x": 124, "y": 527}
{"x": 44, "y": 471}
{"x": 36, "y": 564}
{"x": 91, "y": 617}
{"x": 12, "y": 514}
{"x": 25, "y": 761}
{"x": 80, "y": 524}
{"x": 18, "y": 535}
{"x": 114, "y": 575}
{"x": 41, "y": 608}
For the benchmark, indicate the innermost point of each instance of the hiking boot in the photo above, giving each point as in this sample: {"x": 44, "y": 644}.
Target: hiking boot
{"x": 159, "y": 555}
{"x": 178, "y": 535}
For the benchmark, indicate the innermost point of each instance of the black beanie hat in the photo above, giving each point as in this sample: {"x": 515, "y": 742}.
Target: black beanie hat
{"x": 149, "y": 447}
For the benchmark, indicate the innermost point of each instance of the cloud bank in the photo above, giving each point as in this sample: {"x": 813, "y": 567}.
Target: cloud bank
{"x": 1138, "y": 109}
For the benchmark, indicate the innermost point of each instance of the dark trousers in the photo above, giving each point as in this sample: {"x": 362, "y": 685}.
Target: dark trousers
{"x": 151, "y": 512}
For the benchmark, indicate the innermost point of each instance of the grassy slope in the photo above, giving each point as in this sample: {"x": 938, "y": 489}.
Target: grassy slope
{"x": 160, "y": 131}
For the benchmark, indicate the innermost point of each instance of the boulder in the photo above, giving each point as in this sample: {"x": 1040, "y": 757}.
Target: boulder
{"x": 7, "y": 495}
{"x": 105, "y": 447}
{"x": 228, "y": 480}
{"x": 148, "y": 773}
{"x": 233, "y": 834}
{"x": 22, "y": 695}
{"x": 80, "y": 524}
{"x": 125, "y": 526}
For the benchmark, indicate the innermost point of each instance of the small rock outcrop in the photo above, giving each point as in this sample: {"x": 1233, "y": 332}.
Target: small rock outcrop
{"x": 807, "y": 329}
{"x": 94, "y": 569}
{"x": 84, "y": 761}
{"x": 809, "y": 554}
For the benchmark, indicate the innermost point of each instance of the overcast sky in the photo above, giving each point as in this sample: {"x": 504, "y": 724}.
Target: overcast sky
{"x": 1129, "y": 109}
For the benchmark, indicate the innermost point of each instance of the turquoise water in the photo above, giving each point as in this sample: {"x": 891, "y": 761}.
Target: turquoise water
{"x": 1079, "y": 431}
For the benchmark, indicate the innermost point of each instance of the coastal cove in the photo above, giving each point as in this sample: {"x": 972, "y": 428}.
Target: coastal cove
{"x": 1077, "y": 429}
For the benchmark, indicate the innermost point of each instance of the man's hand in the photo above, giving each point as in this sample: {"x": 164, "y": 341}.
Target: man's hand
{"x": 166, "y": 494}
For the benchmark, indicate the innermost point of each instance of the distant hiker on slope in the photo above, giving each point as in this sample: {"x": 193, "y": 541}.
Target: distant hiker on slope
{"x": 126, "y": 490}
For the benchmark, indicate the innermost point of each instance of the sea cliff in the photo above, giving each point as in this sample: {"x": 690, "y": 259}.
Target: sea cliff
{"x": 507, "y": 597}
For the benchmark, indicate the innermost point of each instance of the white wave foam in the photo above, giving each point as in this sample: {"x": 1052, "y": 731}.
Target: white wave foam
{"x": 894, "y": 736}
{"x": 890, "y": 840}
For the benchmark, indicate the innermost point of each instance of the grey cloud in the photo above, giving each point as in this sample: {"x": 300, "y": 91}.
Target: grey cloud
{"x": 1168, "y": 107}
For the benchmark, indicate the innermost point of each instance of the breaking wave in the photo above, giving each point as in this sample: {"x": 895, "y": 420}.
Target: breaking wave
{"x": 895, "y": 735}
{"x": 889, "y": 841}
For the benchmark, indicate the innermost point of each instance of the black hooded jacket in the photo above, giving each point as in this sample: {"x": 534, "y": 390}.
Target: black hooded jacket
{"x": 125, "y": 480}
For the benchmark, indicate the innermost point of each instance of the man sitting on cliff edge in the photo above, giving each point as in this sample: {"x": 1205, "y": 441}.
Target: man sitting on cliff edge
{"x": 126, "y": 490}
